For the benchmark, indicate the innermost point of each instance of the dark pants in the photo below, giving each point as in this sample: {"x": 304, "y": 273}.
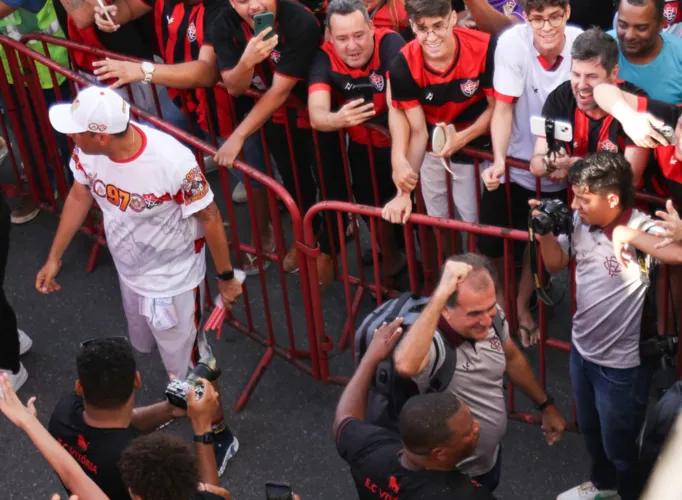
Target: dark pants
{"x": 611, "y": 405}
{"x": 9, "y": 338}
{"x": 491, "y": 479}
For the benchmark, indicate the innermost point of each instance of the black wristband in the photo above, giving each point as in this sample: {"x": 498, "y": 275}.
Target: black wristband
{"x": 547, "y": 402}
{"x": 226, "y": 275}
{"x": 207, "y": 438}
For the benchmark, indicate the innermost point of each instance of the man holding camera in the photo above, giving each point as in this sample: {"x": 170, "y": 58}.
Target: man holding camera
{"x": 531, "y": 60}
{"x": 594, "y": 61}
{"x": 460, "y": 313}
{"x": 98, "y": 421}
{"x": 352, "y": 64}
{"x": 437, "y": 431}
{"x": 609, "y": 380}
{"x": 159, "y": 215}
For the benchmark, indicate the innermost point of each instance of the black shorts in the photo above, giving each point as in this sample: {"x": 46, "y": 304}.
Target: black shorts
{"x": 495, "y": 212}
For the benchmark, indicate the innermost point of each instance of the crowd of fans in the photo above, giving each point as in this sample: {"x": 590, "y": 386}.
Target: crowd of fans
{"x": 440, "y": 75}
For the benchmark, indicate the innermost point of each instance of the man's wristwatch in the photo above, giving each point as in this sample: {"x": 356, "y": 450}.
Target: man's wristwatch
{"x": 547, "y": 402}
{"x": 207, "y": 438}
{"x": 148, "y": 69}
{"x": 226, "y": 275}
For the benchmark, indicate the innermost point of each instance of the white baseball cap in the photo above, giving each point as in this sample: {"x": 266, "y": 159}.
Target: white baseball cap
{"x": 95, "y": 109}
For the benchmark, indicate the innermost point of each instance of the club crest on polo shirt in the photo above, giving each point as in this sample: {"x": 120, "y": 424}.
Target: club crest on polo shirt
{"x": 607, "y": 145}
{"x": 469, "y": 87}
{"x": 377, "y": 81}
{"x": 509, "y": 7}
{"x": 275, "y": 56}
{"x": 191, "y": 32}
{"x": 670, "y": 11}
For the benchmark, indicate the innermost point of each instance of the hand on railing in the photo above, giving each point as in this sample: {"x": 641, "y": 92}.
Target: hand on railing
{"x": 125, "y": 72}
{"x": 671, "y": 223}
{"x": 103, "y": 21}
{"x": 398, "y": 210}
{"x": 491, "y": 176}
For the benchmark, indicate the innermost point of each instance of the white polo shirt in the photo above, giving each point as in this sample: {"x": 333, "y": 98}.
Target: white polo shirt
{"x": 522, "y": 76}
{"x": 609, "y": 297}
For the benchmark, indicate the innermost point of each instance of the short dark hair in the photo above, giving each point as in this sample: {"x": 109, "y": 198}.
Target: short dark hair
{"x": 603, "y": 173}
{"x": 159, "y": 467}
{"x": 106, "y": 370}
{"x": 659, "y": 6}
{"x": 481, "y": 269}
{"x": 417, "y": 9}
{"x": 540, "y": 5}
{"x": 344, "y": 8}
{"x": 423, "y": 421}
{"x": 594, "y": 43}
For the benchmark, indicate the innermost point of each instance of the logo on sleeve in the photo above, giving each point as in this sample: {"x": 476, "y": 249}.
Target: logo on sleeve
{"x": 191, "y": 32}
{"x": 194, "y": 186}
{"x": 607, "y": 145}
{"x": 275, "y": 56}
{"x": 670, "y": 11}
{"x": 469, "y": 87}
{"x": 377, "y": 81}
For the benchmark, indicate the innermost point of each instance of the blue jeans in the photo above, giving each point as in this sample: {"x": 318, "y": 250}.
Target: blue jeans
{"x": 611, "y": 405}
{"x": 491, "y": 479}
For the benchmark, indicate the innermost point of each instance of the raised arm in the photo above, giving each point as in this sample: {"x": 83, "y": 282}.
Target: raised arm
{"x": 488, "y": 18}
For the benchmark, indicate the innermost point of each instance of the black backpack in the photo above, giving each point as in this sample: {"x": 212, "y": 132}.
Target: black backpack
{"x": 389, "y": 391}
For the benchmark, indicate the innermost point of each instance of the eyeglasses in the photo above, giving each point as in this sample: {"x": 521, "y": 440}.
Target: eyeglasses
{"x": 119, "y": 338}
{"x": 438, "y": 29}
{"x": 554, "y": 21}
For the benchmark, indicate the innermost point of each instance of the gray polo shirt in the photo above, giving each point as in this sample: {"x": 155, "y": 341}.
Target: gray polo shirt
{"x": 609, "y": 297}
{"x": 478, "y": 381}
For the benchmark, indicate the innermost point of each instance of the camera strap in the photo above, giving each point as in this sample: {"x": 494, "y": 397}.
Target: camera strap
{"x": 534, "y": 267}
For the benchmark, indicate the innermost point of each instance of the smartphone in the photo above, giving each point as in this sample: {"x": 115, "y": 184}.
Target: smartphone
{"x": 563, "y": 131}
{"x": 262, "y": 21}
{"x": 364, "y": 91}
{"x": 275, "y": 490}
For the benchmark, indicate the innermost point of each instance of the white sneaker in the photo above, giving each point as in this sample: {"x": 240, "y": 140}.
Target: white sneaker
{"x": 588, "y": 491}
{"x": 239, "y": 193}
{"x": 16, "y": 379}
{"x": 25, "y": 342}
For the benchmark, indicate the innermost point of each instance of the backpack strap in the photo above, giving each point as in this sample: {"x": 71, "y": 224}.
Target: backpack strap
{"x": 498, "y": 323}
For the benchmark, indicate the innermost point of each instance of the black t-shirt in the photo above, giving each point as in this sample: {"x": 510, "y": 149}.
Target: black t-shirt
{"x": 299, "y": 38}
{"x": 330, "y": 73}
{"x": 589, "y": 136}
{"x": 373, "y": 455}
{"x": 665, "y": 175}
{"x": 96, "y": 450}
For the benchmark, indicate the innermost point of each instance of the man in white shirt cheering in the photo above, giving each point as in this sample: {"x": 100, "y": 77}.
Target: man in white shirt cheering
{"x": 158, "y": 212}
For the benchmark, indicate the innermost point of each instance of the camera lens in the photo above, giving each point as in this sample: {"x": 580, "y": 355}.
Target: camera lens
{"x": 542, "y": 224}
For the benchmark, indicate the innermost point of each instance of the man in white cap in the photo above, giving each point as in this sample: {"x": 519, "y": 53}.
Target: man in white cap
{"x": 158, "y": 212}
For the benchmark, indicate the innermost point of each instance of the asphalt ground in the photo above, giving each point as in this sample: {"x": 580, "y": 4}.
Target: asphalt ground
{"x": 285, "y": 430}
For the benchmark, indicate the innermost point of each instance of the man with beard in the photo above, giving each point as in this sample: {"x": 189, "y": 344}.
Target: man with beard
{"x": 595, "y": 61}
{"x": 650, "y": 59}
{"x": 358, "y": 54}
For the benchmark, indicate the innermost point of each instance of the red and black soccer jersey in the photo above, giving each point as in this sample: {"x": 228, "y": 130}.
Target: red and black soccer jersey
{"x": 330, "y": 73}
{"x": 299, "y": 38}
{"x": 589, "y": 135}
{"x": 456, "y": 95}
{"x": 665, "y": 177}
{"x": 180, "y": 31}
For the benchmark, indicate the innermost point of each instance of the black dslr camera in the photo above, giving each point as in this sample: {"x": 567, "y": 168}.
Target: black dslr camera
{"x": 555, "y": 217}
{"x": 177, "y": 390}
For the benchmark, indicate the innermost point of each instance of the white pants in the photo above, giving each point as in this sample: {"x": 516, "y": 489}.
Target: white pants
{"x": 172, "y": 325}
{"x": 434, "y": 180}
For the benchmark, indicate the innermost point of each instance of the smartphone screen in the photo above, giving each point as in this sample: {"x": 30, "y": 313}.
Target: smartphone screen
{"x": 364, "y": 91}
{"x": 262, "y": 21}
{"x": 278, "y": 491}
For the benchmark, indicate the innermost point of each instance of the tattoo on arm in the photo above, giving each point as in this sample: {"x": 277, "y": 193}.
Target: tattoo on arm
{"x": 208, "y": 214}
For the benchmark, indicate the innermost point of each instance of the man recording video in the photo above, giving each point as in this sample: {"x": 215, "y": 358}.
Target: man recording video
{"x": 609, "y": 380}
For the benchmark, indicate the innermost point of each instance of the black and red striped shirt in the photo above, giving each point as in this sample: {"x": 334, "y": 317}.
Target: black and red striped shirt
{"x": 180, "y": 30}
{"x": 299, "y": 39}
{"x": 665, "y": 176}
{"x": 330, "y": 73}
{"x": 456, "y": 95}
{"x": 589, "y": 135}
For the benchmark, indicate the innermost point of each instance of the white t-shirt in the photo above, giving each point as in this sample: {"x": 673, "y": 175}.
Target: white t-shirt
{"x": 521, "y": 77}
{"x": 147, "y": 202}
{"x": 609, "y": 297}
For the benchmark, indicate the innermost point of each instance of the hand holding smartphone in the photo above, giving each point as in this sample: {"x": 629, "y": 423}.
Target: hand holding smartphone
{"x": 262, "y": 21}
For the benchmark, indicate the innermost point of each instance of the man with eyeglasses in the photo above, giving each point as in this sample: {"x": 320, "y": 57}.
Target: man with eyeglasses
{"x": 442, "y": 78}
{"x": 530, "y": 62}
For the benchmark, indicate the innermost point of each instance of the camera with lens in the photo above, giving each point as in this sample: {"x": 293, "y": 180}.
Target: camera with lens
{"x": 177, "y": 390}
{"x": 554, "y": 217}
